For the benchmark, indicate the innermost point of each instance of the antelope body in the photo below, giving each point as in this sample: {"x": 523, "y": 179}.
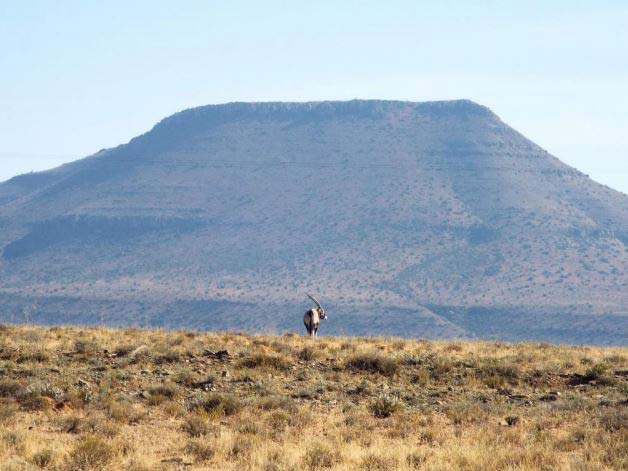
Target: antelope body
{"x": 313, "y": 317}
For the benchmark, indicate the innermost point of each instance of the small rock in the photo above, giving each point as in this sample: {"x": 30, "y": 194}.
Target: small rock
{"x": 225, "y": 373}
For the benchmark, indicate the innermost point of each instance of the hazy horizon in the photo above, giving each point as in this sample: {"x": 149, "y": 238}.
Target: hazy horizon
{"x": 78, "y": 77}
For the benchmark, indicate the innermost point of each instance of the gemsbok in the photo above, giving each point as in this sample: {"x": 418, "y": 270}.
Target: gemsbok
{"x": 313, "y": 318}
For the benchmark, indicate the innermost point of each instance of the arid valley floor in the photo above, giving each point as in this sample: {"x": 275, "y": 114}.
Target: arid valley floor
{"x": 86, "y": 399}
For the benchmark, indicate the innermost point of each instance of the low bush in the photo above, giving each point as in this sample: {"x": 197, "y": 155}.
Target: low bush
{"x": 308, "y": 354}
{"x": 10, "y": 388}
{"x": 600, "y": 373}
{"x": 43, "y": 459}
{"x": 33, "y": 401}
{"x": 167, "y": 390}
{"x": 91, "y": 453}
{"x": 8, "y": 410}
{"x": 124, "y": 349}
{"x": 267, "y": 361}
{"x": 200, "y": 450}
{"x": 278, "y": 402}
{"x": 169, "y": 356}
{"x": 215, "y": 403}
{"x": 372, "y": 363}
{"x": 124, "y": 412}
{"x": 374, "y": 462}
{"x": 196, "y": 426}
{"x": 384, "y": 407}
{"x": 497, "y": 375}
{"x": 186, "y": 377}
{"x": 321, "y": 457}
{"x": 241, "y": 448}
{"x": 440, "y": 368}
{"x": 70, "y": 424}
{"x": 86, "y": 346}
{"x": 36, "y": 356}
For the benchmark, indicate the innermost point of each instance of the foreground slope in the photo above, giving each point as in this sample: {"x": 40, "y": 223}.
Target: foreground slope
{"x": 422, "y": 219}
{"x": 138, "y": 400}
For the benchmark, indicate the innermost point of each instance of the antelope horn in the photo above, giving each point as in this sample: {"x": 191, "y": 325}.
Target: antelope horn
{"x": 314, "y": 299}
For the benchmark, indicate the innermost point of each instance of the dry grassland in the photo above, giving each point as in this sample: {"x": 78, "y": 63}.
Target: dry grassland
{"x": 87, "y": 399}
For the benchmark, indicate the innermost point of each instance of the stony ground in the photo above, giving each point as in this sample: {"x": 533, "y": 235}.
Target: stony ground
{"x": 86, "y": 399}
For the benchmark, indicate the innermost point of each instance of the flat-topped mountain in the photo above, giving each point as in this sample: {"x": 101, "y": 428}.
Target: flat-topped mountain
{"x": 416, "y": 219}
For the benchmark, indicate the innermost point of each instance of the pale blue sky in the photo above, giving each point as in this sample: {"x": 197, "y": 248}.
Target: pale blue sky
{"x": 77, "y": 76}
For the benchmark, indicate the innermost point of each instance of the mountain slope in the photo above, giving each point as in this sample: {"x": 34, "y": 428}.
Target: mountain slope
{"x": 438, "y": 212}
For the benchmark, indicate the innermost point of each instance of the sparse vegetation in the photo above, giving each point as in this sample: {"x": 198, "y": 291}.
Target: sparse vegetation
{"x": 384, "y": 406}
{"x": 87, "y": 399}
{"x": 374, "y": 363}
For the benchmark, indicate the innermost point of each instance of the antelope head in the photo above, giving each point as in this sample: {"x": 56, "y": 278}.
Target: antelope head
{"x": 319, "y": 308}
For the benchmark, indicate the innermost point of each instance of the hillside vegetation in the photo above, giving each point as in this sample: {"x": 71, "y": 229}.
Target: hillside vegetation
{"x": 86, "y": 399}
{"x": 437, "y": 218}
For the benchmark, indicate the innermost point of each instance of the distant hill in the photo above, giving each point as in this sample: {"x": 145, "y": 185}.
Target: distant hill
{"x": 417, "y": 219}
